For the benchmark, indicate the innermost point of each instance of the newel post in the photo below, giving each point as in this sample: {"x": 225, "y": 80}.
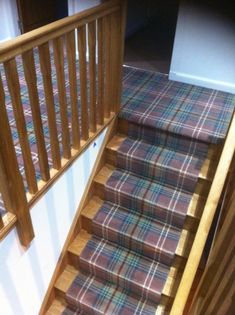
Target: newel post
{"x": 11, "y": 182}
{"x": 118, "y": 27}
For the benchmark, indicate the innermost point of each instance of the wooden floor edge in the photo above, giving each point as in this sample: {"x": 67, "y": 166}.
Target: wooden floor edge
{"x": 50, "y": 294}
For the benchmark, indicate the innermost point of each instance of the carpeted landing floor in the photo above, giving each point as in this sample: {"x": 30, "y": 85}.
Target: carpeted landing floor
{"x": 124, "y": 267}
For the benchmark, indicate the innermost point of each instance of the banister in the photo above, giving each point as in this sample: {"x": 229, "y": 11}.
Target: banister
{"x": 27, "y": 41}
{"x": 48, "y": 52}
{"x": 205, "y": 223}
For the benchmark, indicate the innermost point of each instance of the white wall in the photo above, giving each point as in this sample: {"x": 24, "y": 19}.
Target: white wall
{"x": 25, "y": 275}
{"x": 76, "y": 6}
{"x": 9, "y": 20}
{"x": 204, "y": 48}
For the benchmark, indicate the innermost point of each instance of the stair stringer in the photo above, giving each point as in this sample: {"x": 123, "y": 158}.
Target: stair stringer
{"x": 76, "y": 225}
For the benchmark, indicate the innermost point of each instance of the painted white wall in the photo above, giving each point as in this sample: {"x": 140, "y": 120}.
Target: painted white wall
{"x": 9, "y": 20}
{"x": 76, "y": 6}
{"x": 25, "y": 275}
{"x": 204, "y": 47}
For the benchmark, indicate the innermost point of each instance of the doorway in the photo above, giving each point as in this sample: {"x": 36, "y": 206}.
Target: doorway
{"x": 150, "y": 34}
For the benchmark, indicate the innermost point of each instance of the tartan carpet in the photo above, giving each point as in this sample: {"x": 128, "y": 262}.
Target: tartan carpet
{"x": 137, "y": 232}
{"x": 94, "y": 296}
{"x": 150, "y": 99}
{"x": 151, "y": 198}
{"x": 118, "y": 265}
{"x": 160, "y": 163}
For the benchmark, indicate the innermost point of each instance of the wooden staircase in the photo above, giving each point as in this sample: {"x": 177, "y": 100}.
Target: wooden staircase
{"x": 96, "y": 197}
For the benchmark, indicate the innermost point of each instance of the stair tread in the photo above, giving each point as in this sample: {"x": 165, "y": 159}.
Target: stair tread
{"x": 162, "y": 156}
{"x": 70, "y": 272}
{"x": 141, "y": 235}
{"x": 57, "y": 308}
{"x": 195, "y": 206}
{"x": 66, "y": 278}
{"x": 94, "y": 295}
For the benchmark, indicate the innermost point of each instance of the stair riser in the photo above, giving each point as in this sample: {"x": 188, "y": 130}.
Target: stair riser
{"x": 189, "y": 224}
{"x": 170, "y": 177}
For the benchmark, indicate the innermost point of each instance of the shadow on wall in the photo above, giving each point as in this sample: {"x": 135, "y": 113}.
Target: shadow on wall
{"x": 204, "y": 47}
{"x": 141, "y": 13}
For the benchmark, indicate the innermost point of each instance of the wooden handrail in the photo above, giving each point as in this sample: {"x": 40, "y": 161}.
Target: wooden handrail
{"x": 72, "y": 123}
{"x": 205, "y": 223}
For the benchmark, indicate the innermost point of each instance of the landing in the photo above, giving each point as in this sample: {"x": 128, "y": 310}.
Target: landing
{"x": 150, "y": 99}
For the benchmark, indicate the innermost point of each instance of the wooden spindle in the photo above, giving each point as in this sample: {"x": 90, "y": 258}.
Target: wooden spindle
{"x": 100, "y": 103}
{"x": 116, "y": 80}
{"x": 92, "y": 73}
{"x": 120, "y": 52}
{"x": 107, "y": 92}
{"x": 71, "y": 56}
{"x": 59, "y": 65}
{"x": 31, "y": 80}
{"x": 11, "y": 182}
{"x": 83, "y": 80}
{"x": 1, "y": 222}
{"x": 14, "y": 89}
{"x": 45, "y": 63}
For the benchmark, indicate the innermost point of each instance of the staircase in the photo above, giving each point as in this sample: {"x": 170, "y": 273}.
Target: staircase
{"x": 136, "y": 230}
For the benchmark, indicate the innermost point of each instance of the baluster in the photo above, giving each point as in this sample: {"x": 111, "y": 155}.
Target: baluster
{"x": 100, "y": 105}
{"x": 116, "y": 80}
{"x": 31, "y": 80}
{"x": 59, "y": 65}
{"x": 14, "y": 89}
{"x": 121, "y": 26}
{"x": 71, "y": 55}
{"x": 107, "y": 93}
{"x": 1, "y": 222}
{"x": 44, "y": 56}
{"x": 83, "y": 80}
{"x": 11, "y": 182}
{"x": 92, "y": 73}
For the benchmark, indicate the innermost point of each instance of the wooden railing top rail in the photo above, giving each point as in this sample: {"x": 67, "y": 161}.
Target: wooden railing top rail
{"x": 205, "y": 223}
{"x": 27, "y": 41}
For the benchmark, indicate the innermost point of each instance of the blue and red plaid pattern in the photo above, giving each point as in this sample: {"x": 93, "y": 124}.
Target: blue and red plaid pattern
{"x": 130, "y": 271}
{"x": 137, "y": 232}
{"x": 94, "y": 296}
{"x": 159, "y": 163}
{"x": 151, "y": 198}
{"x": 152, "y": 100}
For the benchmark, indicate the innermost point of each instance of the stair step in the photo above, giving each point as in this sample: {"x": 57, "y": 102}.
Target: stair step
{"x": 156, "y": 137}
{"x": 57, "y": 308}
{"x": 192, "y": 211}
{"x": 74, "y": 250}
{"x": 94, "y": 296}
{"x": 160, "y": 159}
{"x": 143, "y": 239}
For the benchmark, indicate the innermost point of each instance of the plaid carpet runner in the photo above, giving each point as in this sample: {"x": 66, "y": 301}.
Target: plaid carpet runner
{"x": 150, "y": 99}
{"x": 124, "y": 267}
